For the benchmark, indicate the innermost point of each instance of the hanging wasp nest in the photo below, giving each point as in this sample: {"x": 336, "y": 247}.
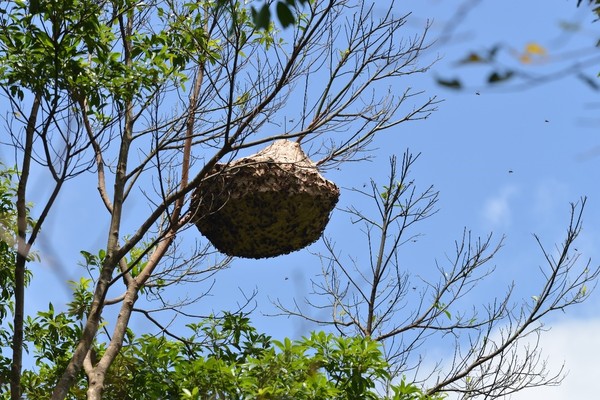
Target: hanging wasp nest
{"x": 270, "y": 203}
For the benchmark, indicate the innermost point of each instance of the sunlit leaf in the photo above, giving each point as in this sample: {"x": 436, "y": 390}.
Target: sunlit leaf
{"x": 532, "y": 51}
{"x": 535, "y": 48}
{"x": 472, "y": 58}
{"x": 481, "y": 57}
{"x": 525, "y": 58}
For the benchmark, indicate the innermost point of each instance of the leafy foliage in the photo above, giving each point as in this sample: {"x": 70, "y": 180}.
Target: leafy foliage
{"x": 8, "y": 255}
{"x": 7, "y": 261}
{"x": 8, "y": 215}
{"x": 225, "y": 358}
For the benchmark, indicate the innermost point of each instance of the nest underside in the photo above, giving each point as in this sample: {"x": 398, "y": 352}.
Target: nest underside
{"x": 261, "y": 207}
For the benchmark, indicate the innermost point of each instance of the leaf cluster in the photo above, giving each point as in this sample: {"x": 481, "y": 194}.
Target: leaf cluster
{"x": 224, "y": 358}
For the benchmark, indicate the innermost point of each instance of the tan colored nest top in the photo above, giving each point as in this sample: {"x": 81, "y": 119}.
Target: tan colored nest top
{"x": 271, "y": 203}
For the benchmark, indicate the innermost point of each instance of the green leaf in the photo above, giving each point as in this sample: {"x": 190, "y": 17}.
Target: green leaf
{"x": 286, "y": 18}
{"x": 449, "y": 83}
{"x": 448, "y": 314}
{"x": 89, "y": 257}
{"x": 34, "y": 6}
{"x": 498, "y": 77}
{"x": 262, "y": 17}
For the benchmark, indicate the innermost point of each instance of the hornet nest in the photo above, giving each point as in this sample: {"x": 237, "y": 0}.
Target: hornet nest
{"x": 264, "y": 205}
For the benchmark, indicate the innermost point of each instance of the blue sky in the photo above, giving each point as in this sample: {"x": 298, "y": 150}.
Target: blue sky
{"x": 547, "y": 135}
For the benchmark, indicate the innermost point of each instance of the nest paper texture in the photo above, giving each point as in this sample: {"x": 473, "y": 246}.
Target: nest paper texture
{"x": 265, "y": 205}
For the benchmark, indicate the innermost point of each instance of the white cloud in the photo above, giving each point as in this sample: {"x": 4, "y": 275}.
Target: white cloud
{"x": 496, "y": 210}
{"x": 575, "y": 343}
{"x": 572, "y": 345}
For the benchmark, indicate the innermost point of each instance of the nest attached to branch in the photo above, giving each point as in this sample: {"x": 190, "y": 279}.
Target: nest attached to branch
{"x": 265, "y": 205}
